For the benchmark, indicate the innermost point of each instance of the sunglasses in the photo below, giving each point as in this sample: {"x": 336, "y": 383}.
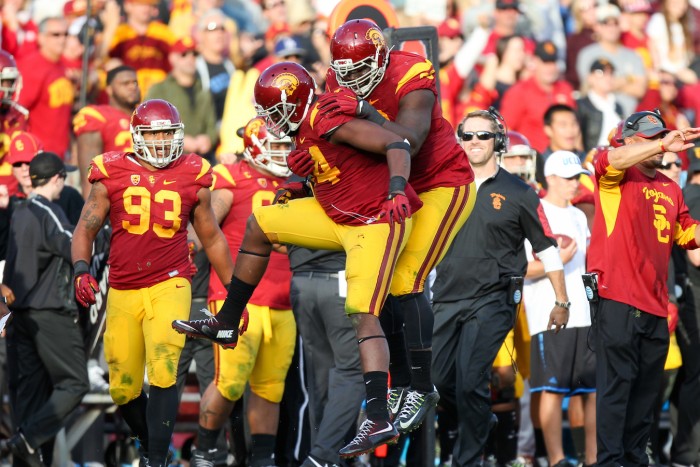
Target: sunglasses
{"x": 213, "y": 26}
{"x": 480, "y": 135}
{"x": 668, "y": 165}
{"x": 190, "y": 53}
{"x": 58, "y": 34}
{"x": 18, "y": 165}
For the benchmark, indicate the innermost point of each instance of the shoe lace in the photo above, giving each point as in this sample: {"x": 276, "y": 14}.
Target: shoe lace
{"x": 394, "y": 396}
{"x": 202, "y": 460}
{"x": 412, "y": 404}
{"x": 364, "y": 431}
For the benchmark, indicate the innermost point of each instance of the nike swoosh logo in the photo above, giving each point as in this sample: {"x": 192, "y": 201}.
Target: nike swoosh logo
{"x": 388, "y": 428}
{"x": 665, "y": 184}
{"x": 410, "y": 421}
{"x": 301, "y": 140}
{"x": 179, "y": 286}
{"x": 168, "y": 182}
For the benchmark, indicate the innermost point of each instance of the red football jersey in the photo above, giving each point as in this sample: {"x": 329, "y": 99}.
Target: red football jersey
{"x": 110, "y": 122}
{"x": 351, "y": 185}
{"x": 441, "y": 161}
{"x": 251, "y": 189}
{"x": 149, "y": 214}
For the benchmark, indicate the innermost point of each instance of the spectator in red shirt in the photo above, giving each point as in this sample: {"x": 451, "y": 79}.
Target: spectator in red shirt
{"x": 46, "y": 92}
{"x": 525, "y": 103}
{"x": 636, "y": 14}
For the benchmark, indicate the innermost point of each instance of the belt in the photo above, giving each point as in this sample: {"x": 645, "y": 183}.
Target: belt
{"x": 319, "y": 274}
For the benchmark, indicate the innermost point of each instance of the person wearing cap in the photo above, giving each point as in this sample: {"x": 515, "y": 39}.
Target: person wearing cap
{"x": 630, "y": 74}
{"x": 289, "y": 49}
{"x": 640, "y": 214}
{"x": 473, "y": 287}
{"x": 525, "y": 103}
{"x": 183, "y": 88}
{"x": 561, "y": 363}
{"x": 46, "y": 357}
{"x": 142, "y": 31}
{"x": 105, "y": 128}
{"x": 598, "y": 111}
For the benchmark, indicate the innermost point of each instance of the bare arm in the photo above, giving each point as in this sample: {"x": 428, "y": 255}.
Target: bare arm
{"x": 629, "y": 155}
{"x": 213, "y": 240}
{"x": 221, "y": 202}
{"x": 374, "y": 138}
{"x": 92, "y": 218}
{"x": 414, "y": 118}
{"x": 89, "y": 146}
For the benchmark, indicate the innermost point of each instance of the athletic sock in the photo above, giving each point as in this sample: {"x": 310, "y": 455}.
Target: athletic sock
{"x": 262, "y": 450}
{"x": 207, "y": 439}
{"x": 162, "y": 411}
{"x": 134, "y": 413}
{"x": 237, "y": 298}
{"x": 376, "y": 388}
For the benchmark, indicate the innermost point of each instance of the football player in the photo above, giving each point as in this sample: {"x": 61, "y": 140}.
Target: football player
{"x": 13, "y": 117}
{"x": 397, "y": 91}
{"x": 105, "y": 128}
{"x": 265, "y": 351}
{"x": 362, "y": 204}
{"x": 149, "y": 194}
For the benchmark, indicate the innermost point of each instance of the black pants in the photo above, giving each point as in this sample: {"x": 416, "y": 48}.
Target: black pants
{"x": 686, "y": 441}
{"x": 47, "y": 371}
{"x": 631, "y": 348}
{"x": 466, "y": 340}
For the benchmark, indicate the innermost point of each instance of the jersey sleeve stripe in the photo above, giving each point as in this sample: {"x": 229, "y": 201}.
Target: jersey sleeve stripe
{"x": 206, "y": 167}
{"x": 610, "y": 198}
{"x": 587, "y": 182}
{"x": 100, "y": 164}
{"x": 220, "y": 170}
{"x": 92, "y": 112}
{"x": 312, "y": 117}
{"x": 423, "y": 69}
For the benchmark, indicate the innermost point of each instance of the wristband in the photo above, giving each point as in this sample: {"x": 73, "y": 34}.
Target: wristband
{"x": 81, "y": 267}
{"x": 405, "y": 145}
{"x": 397, "y": 183}
{"x": 661, "y": 145}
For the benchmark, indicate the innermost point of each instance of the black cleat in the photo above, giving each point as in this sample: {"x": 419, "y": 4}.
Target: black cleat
{"x": 394, "y": 401}
{"x": 211, "y": 329}
{"x": 370, "y": 436}
{"x": 415, "y": 408}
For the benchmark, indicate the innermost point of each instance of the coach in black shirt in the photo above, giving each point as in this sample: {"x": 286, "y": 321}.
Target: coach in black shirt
{"x": 473, "y": 309}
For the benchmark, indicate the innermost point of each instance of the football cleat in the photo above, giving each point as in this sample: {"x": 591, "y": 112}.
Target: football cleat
{"x": 370, "y": 436}
{"x": 203, "y": 458}
{"x": 394, "y": 401}
{"x": 211, "y": 329}
{"x": 312, "y": 461}
{"x": 415, "y": 407}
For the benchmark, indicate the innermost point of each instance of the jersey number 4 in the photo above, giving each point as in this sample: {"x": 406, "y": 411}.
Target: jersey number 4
{"x": 143, "y": 207}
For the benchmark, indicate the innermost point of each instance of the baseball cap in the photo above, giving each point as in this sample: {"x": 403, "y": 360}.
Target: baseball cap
{"x": 507, "y": 5}
{"x": 546, "y": 51}
{"x": 46, "y": 165}
{"x": 23, "y": 147}
{"x": 606, "y": 11}
{"x": 183, "y": 45}
{"x": 286, "y": 46}
{"x": 449, "y": 28}
{"x": 645, "y": 124}
{"x": 563, "y": 164}
{"x": 602, "y": 64}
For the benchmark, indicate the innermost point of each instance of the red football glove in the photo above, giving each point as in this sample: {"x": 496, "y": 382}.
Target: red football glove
{"x": 192, "y": 250}
{"x": 300, "y": 162}
{"x": 292, "y": 190}
{"x": 85, "y": 288}
{"x": 243, "y": 325}
{"x": 339, "y": 102}
{"x": 396, "y": 207}
{"x": 672, "y": 317}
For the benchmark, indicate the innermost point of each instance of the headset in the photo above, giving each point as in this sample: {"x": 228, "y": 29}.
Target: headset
{"x": 632, "y": 121}
{"x": 500, "y": 142}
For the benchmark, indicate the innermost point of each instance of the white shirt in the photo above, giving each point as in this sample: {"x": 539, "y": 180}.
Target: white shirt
{"x": 538, "y": 294}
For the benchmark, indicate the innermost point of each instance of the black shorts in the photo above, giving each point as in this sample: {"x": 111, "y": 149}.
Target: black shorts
{"x": 562, "y": 362}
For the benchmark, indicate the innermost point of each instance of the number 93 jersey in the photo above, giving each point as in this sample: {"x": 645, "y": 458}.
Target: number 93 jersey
{"x": 149, "y": 211}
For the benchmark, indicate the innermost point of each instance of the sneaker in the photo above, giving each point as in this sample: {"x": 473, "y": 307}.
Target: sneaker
{"x": 415, "y": 407}
{"x": 312, "y": 461}
{"x": 396, "y": 397}
{"x": 369, "y": 436}
{"x": 219, "y": 333}
{"x": 18, "y": 447}
{"x": 203, "y": 458}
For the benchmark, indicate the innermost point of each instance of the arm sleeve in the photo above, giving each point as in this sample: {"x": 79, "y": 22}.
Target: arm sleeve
{"x": 534, "y": 222}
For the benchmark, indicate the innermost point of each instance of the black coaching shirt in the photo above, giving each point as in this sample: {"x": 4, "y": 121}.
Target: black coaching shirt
{"x": 489, "y": 248}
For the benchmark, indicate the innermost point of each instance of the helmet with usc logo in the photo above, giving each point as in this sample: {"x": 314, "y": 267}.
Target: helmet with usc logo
{"x": 359, "y": 56}
{"x": 157, "y": 116}
{"x": 10, "y": 79}
{"x": 259, "y": 149}
{"x": 283, "y": 94}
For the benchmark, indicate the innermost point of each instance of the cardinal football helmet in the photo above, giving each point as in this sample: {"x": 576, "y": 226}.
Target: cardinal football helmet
{"x": 258, "y": 148}
{"x": 359, "y": 56}
{"x": 518, "y": 145}
{"x": 157, "y": 115}
{"x": 283, "y": 94}
{"x": 615, "y": 138}
{"x": 10, "y": 80}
